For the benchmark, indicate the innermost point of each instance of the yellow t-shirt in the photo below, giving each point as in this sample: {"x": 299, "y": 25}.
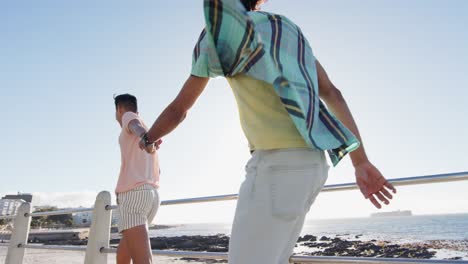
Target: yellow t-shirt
{"x": 265, "y": 122}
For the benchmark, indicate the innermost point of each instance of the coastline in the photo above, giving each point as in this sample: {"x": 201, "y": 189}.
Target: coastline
{"x": 429, "y": 237}
{"x": 338, "y": 245}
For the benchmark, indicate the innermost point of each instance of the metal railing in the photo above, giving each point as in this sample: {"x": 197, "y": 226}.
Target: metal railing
{"x": 98, "y": 243}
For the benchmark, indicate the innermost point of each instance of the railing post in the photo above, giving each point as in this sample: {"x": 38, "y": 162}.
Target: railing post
{"x": 20, "y": 235}
{"x": 99, "y": 233}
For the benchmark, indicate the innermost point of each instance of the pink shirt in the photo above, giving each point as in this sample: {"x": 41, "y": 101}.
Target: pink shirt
{"x": 138, "y": 167}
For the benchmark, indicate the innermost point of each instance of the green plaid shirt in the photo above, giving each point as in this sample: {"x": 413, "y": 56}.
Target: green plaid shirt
{"x": 271, "y": 48}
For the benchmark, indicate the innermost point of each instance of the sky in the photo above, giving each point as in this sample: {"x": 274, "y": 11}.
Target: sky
{"x": 401, "y": 66}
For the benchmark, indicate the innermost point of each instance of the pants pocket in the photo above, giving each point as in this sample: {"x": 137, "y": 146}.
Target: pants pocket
{"x": 317, "y": 188}
{"x": 291, "y": 188}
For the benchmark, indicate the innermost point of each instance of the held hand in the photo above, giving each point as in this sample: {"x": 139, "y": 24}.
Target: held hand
{"x": 158, "y": 143}
{"x": 150, "y": 148}
{"x": 373, "y": 185}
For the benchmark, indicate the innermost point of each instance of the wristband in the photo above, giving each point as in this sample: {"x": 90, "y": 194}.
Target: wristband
{"x": 145, "y": 139}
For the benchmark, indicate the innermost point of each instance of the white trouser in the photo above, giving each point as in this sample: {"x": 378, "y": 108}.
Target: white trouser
{"x": 279, "y": 188}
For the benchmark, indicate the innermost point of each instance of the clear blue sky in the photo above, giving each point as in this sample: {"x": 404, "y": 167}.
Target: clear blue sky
{"x": 401, "y": 65}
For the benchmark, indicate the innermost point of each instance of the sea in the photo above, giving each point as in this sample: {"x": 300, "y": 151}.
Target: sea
{"x": 452, "y": 229}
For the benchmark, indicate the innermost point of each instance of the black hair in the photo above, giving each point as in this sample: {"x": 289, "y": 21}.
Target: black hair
{"x": 250, "y": 4}
{"x": 128, "y": 101}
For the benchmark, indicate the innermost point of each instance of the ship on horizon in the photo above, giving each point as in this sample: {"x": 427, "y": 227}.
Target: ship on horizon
{"x": 393, "y": 213}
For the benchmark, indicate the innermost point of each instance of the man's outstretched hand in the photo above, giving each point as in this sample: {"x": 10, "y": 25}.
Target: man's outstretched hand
{"x": 373, "y": 185}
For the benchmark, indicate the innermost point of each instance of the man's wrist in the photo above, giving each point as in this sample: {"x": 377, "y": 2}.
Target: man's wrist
{"x": 145, "y": 139}
{"x": 359, "y": 162}
{"x": 358, "y": 157}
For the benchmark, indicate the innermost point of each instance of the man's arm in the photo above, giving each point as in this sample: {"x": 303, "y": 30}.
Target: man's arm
{"x": 335, "y": 101}
{"x": 176, "y": 112}
{"x": 369, "y": 179}
{"x": 136, "y": 127}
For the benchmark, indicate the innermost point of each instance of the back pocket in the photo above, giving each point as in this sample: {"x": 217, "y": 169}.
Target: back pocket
{"x": 291, "y": 188}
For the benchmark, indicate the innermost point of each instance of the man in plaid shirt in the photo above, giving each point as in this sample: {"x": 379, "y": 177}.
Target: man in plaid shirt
{"x": 291, "y": 113}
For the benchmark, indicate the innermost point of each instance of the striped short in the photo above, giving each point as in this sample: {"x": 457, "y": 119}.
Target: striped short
{"x": 137, "y": 207}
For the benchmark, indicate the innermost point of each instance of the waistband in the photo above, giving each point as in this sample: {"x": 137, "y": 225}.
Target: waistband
{"x": 145, "y": 186}
{"x": 272, "y": 151}
{"x": 294, "y": 155}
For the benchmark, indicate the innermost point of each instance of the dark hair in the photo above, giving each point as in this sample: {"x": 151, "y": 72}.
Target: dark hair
{"x": 250, "y": 4}
{"x": 128, "y": 101}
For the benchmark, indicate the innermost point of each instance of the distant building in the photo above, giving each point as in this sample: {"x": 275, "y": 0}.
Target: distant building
{"x": 9, "y": 207}
{"x": 9, "y": 204}
{"x": 82, "y": 218}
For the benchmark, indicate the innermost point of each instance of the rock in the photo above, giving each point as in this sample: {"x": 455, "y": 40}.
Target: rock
{"x": 342, "y": 247}
{"x": 158, "y": 244}
{"x": 189, "y": 244}
{"x": 217, "y": 243}
{"x": 307, "y": 238}
{"x": 316, "y": 245}
{"x": 324, "y": 238}
{"x": 336, "y": 240}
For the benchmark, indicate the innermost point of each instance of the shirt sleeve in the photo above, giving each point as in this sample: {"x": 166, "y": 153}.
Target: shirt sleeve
{"x": 127, "y": 118}
{"x": 228, "y": 44}
{"x": 231, "y": 39}
{"x": 199, "y": 59}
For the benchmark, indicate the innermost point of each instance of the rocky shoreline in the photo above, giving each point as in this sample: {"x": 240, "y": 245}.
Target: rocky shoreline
{"x": 337, "y": 246}
{"x": 306, "y": 245}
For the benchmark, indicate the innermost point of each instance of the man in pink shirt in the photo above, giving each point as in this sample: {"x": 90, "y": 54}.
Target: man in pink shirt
{"x": 137, "y": 195}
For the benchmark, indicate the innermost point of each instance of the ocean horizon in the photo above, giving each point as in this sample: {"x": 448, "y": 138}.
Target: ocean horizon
{"x": 416, "y": 228}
